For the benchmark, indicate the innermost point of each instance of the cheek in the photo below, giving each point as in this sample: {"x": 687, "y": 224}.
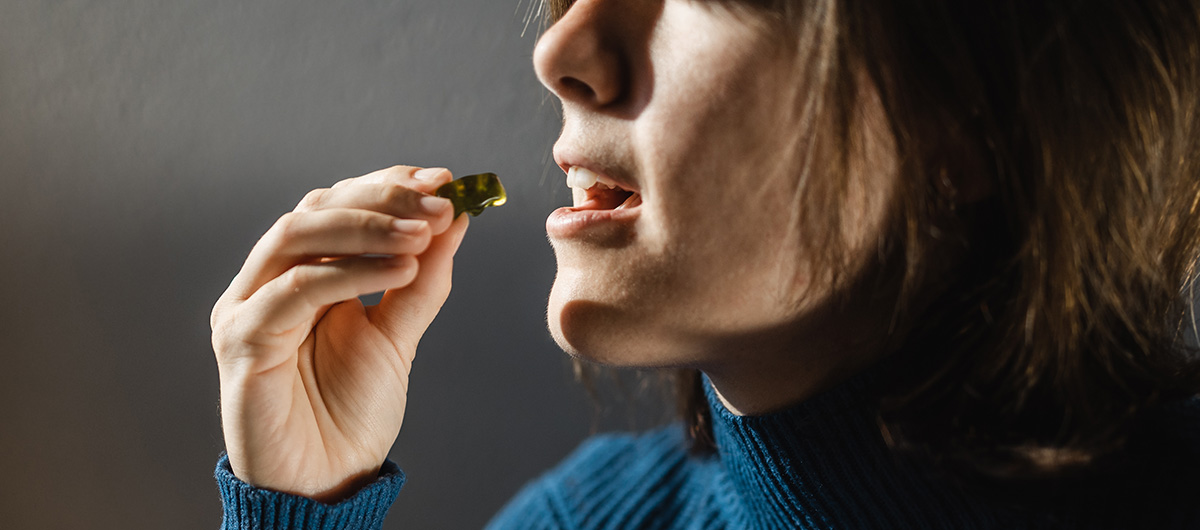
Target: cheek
{"x": 725, "y": 174}
{"x": 722, "y": 263}
{"x": 735, "y": 255}
{"x": 738, "y": 221}
{"x": 726, "y": 212}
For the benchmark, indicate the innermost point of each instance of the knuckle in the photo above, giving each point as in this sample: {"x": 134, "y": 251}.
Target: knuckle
{"x": 214, "y": 317}
{"x": 224, "y": 339}
{"x": 397, "y": 195}
{"x": 289, "y": 226}
{"x": 312, "y": 200}
{"x": 400, "y": 171}
{"x": 383, "y": 229}
{"x": 296, "y": 278}
{"x": 372, "y": 224}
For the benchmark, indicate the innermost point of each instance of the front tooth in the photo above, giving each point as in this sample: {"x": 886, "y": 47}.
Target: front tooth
{"x": 584, "y": 178}
{"x": 572, "y": 178}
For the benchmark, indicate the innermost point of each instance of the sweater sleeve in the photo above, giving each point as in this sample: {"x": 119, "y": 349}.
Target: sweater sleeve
{"x": 251, "y": 508}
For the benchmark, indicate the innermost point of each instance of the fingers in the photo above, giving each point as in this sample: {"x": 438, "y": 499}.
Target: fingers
{"x": 407, "y": 312}
{"x": 423, "y": 180}
{"x": 388, "y": 198}
{"x": 353, "y": 217}
{"x": 290, "y": 300}
{"x": 363, "y": 235}
{"x": 305, "y": 237}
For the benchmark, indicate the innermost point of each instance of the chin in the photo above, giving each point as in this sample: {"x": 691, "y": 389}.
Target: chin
{"x": 588, "y": 326}
{"x": 574, "y": 319}
{"x": 606, "y": 328}
{"x": 554, "y": 321}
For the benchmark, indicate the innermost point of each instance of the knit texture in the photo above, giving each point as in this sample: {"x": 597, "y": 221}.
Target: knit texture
{"x": 820, "y": 465}
{"x": 250, "y": 508}
{"x": 824, "y": 465}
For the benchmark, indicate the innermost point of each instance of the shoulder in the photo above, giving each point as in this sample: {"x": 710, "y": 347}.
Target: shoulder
{"x": 625, "y": 455}
{"x": 611, "y": 479}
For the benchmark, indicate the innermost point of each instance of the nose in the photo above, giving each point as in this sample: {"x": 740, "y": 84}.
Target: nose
{"x": 580, "y": 58}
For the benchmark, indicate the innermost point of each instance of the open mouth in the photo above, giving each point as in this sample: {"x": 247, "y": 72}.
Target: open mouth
{"x": 592, "y": 191}
{"x": 604, "y": 211}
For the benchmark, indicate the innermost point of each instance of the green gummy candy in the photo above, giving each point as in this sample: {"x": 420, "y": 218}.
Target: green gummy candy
{"x": 473, "y": 193}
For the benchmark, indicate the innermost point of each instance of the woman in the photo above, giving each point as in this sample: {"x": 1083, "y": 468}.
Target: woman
{"x": 917, "y": 266}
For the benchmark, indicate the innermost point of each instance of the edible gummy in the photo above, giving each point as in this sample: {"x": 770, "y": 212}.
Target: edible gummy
{"x": 473, "y": 193}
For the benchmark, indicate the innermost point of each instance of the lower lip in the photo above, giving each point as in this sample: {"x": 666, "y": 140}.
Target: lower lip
{"x": 570, "y": 222}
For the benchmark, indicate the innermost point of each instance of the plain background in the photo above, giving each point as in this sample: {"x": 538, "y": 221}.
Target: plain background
{"x": 144, "y": 147}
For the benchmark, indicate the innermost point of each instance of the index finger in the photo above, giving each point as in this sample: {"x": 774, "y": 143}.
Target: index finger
{"x": 425, "y": 180}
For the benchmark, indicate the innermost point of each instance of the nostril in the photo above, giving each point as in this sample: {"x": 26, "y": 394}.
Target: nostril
{"x": 576, "y": 89}
{"x": 582, "y": 57}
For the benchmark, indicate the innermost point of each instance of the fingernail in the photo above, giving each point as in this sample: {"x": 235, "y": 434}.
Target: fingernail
{"x": 408, "y": 226}
{"x": 434, "y": 205}
{"x": 428, "y": 173}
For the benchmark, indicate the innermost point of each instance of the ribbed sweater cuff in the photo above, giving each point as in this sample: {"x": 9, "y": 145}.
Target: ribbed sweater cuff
{"x": 251, "y": 508}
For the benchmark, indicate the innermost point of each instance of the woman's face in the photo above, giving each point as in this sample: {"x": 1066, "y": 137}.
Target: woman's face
{"x": 690, "y": 105}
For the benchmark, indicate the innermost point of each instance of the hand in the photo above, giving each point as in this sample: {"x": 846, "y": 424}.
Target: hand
{"x": 314, "y": 384}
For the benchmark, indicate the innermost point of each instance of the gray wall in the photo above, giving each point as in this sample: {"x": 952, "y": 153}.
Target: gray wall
{"x": 145, "y": 145}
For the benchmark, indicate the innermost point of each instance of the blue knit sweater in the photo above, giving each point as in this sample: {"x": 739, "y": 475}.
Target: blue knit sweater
{"x": 819, "y": 465}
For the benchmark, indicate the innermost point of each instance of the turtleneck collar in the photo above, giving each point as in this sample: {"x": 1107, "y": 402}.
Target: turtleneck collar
{"x": 824, "y": 464}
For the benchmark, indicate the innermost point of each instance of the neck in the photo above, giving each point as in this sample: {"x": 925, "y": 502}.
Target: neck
{"x": 763, "y": 382}
{"x": 774, "y": 369}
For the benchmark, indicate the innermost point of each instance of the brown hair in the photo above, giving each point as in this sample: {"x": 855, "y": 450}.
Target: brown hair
{"x": 1066, "y": 317}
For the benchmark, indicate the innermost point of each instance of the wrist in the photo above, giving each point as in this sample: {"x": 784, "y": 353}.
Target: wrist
{"x": 345, "y": 489}
{"x": 247, "y": 506}
{"x": 321, "y": 489}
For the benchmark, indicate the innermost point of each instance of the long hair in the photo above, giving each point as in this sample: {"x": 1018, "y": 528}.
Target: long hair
{"x": 1067, "y": 315}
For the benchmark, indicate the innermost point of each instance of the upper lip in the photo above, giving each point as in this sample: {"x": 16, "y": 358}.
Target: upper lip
{"x": 567, "y": 159}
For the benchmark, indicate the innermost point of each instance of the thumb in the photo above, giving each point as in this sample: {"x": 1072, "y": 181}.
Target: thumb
{"x": 405, "y": 313}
